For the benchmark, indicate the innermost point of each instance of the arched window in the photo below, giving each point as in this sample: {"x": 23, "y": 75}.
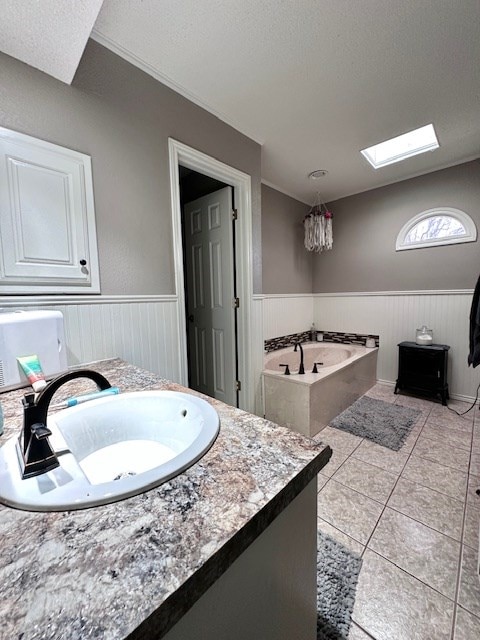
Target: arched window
{"x": 434, "y": 227}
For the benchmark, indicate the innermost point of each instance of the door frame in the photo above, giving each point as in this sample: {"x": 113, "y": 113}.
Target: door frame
{"x": 180, "y": 153}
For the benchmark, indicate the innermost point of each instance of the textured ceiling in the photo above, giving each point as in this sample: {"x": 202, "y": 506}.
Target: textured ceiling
{"x": 49, "y": 35}
{"x": 317, "y": 80}
{"x": 314, "y": 81}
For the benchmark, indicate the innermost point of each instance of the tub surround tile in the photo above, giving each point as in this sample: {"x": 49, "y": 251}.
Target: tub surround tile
{"x": 390, "y": 604}
{"x": 467, "y": 626}
{"x": 436, "y": 476}
{"x": 367, "y": 479}
{"x": 280, "y": 342}
{"x": 336, "y": 439}
{"x": 372, "y": 453}
{"x": 431, "y": 508}
{"x": 472, "y": 526}
{"x": 339, "y": 536}
{"x": 442, "y": 452}
{"x": 103, "y": 558}
{"x": 419, "y": 550}
{"x": 469, "y": 594}
{"x": 351, "y": 512}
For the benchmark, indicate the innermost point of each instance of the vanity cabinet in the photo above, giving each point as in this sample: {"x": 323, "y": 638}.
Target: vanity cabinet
{"x": 423, "y": 369}
{"x": 47, "y": 219}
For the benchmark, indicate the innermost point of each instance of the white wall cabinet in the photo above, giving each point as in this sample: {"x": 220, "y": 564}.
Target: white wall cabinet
{"x": 47, "y": 218}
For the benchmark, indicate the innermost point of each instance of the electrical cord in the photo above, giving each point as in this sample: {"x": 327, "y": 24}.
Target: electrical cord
{"x": 469, "y": 408}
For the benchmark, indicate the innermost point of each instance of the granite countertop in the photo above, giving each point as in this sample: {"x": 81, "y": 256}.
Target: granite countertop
{"x": 125, "y": 569}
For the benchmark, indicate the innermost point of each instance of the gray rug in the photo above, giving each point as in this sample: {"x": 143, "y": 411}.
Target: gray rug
{"x": 337, "y": 577}
{"x": 382, "y": 422}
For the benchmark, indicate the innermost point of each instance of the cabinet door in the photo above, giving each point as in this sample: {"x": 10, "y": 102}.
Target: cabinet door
{"x": 47, "y": 223}
{"x": 421, "y": 368}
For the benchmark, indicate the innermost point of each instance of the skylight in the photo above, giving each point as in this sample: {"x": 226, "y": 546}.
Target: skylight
{"x": 402, "y": 147}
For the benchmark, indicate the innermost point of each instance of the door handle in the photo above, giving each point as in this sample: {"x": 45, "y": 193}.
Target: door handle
{"x": 190, "y": 318}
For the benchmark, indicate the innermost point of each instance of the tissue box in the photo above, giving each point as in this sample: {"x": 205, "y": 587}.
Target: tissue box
{"x": 24, "y": 333}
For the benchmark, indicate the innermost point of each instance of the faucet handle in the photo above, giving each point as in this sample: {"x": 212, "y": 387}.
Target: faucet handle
{"x": 315, "y": 370}
{"x": 287, "y": 369}
{"x": 40, "y": 430}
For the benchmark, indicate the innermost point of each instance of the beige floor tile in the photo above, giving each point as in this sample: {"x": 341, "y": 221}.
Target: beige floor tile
{"x": 338, "y": 439}
{"x": 475, "y": 464}
{"x": 436, "y": 476}
{"x": 422, "y": 552}
{"x": 473, "y": 486}
{"x": 392, "y": 461}
{"x": 472, "y": 526}
{"x": 467, "y": 626}
{"x": 459, "y": 406}
{"x": 421, "y": 405}
{"x": 460, "y": 439}
{"x": 392, "y": 605}
{"x": 429, "y": 507}
{"x": 339, "y": 536}
{"x": 351, "y": 512}
{"x": 447, "y": 418}
{"x": 321, "y": 481}
{"x": 442, "y": 453}
{"x": 382, "y": 392}
{"x": 411, "y": 440}
{"x": 469, "y": 594}
{"x": 365, "y": 478}
{"x": 357, "y": 634}
{"x": 338, "y": 458}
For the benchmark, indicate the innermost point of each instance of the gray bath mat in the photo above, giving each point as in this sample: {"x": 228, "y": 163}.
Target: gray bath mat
{"x": 337, "y": 577}
{"x": 382, "y": 422}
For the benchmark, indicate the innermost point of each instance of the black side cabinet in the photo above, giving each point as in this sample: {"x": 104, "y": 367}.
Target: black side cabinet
{"x": 423, "y": 369}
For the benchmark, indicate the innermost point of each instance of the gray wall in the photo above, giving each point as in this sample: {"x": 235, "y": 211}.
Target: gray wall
{"x": 122, "y": 118}
{"x": 365, "y": 228}
{"x": 287, "y": 265}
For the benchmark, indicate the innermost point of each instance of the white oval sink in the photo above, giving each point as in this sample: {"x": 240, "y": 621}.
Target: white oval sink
{"x": 112, "y": 448}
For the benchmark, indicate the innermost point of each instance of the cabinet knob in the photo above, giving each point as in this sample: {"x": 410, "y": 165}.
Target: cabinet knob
{"x": 83, "y": 262}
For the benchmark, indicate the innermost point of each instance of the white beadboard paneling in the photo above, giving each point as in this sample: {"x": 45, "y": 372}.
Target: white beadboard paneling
{"x": 142, "y": 331}
{"x": 284, "y": 315}
{"x": 257, "y": 352}
{"x": 395, "y": 317}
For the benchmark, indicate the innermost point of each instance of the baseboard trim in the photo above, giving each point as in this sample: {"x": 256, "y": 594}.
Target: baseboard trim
{"x": 453, "y": 396}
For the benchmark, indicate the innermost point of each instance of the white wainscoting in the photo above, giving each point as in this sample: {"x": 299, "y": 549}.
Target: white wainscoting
{"x": 286, "y": 314}
{"x": 257, "y": 352}
{"x": 140, "y": 329}
{"x": 143, "y": 330}
{"x": 395, "y": 316}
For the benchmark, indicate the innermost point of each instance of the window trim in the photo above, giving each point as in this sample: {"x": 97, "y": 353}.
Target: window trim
{"x": 461, "y": 216}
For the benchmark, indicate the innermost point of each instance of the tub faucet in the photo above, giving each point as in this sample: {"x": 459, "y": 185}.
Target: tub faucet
{"x": 301, "y": 368}
{"x": 36, "y": 451}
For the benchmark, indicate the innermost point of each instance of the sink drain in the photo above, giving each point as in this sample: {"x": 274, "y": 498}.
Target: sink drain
{"x": 124, "y": 474}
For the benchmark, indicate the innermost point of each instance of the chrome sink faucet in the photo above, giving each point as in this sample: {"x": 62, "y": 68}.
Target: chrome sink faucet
{"x": 301, "y": 368}
{"x": 37, "y": 455}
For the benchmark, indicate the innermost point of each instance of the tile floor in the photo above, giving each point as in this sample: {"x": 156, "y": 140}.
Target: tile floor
{"x": 414, "y": 517}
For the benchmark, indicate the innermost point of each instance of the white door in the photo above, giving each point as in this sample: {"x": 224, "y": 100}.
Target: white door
{"x": 209, "y": 266}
